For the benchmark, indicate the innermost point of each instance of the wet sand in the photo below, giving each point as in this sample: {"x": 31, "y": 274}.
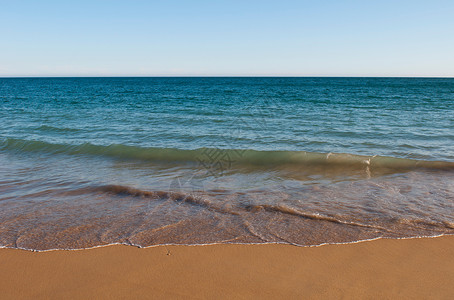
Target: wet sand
{"x": 413, "y": 268}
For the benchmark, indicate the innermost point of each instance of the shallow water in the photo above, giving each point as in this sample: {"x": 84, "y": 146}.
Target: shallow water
{"x": 146, "y": 161}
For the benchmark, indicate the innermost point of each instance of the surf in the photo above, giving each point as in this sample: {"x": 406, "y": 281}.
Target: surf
{"x": 238, "y": 157}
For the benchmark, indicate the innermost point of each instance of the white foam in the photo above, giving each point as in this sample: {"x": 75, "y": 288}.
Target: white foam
{"x": 226, "y": 243}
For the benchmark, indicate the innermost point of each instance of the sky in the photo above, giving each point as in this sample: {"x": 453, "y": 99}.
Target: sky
{"x": 227, "y": 38}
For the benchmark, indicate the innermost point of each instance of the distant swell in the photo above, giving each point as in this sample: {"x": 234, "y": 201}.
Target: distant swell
{"x": 233, "y": 156}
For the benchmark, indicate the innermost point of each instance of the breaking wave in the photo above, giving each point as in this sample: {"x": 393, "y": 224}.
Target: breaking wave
{"x": 235, "y": 156}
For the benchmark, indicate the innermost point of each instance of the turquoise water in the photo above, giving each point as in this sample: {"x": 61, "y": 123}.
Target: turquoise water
{"x": 146, "y": 161}
{"x": 410, "y": 118}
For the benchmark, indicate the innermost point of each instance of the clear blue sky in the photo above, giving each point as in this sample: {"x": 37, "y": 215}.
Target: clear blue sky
{"x": 171, "y": 37}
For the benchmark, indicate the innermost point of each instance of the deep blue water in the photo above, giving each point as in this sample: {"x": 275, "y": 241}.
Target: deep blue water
{"x": 401, "y": 117}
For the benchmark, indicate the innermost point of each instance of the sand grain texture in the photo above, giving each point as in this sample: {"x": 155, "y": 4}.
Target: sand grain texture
{"x": 408, "y": 269}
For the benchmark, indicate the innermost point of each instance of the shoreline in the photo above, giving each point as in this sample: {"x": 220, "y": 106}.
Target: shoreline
{"x": 230, "y": 244}
{"x": 381, "y": 268}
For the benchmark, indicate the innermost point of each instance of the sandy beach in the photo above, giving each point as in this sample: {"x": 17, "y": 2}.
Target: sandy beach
{"x": 226, "y": 150}
{"x": 412, "y": 268}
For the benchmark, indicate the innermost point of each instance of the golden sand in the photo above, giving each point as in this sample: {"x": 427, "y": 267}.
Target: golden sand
{"x": 414, "y": 268}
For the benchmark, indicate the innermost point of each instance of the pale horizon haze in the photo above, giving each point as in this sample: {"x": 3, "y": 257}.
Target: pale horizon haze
{"x": 227, "y": 38}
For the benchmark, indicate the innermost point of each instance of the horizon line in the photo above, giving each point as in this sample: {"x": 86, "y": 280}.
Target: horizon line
{"x": 225, "y": 76}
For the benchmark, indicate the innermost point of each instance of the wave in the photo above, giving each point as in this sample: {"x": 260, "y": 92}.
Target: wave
{"x": 237, "y": 157}
{"x": 284, "y": 209}
{"x": 120, "y": 190}
{"x": 197, "y": 198}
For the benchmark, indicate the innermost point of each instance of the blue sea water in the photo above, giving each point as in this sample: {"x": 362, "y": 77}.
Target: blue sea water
{"x": 146, "y": 161}
{"x": 402, "y": 117}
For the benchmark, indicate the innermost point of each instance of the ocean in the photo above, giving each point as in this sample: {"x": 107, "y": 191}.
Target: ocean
{"x": 87, "y": 162}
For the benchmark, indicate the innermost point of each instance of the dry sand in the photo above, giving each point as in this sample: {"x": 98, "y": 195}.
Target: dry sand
{"x": 415, "y": 268}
